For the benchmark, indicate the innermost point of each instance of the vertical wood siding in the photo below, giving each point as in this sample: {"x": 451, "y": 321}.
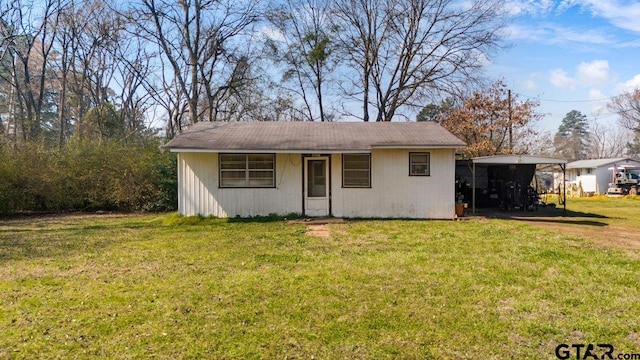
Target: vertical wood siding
{"x": 395, "y": 194}
{"x": 199, "y": 193}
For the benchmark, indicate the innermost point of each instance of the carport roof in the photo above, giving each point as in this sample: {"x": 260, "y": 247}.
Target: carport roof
{"x": 516, "y": 159}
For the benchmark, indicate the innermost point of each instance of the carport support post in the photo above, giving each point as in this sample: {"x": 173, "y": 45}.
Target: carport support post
{"x": 564, "y": 188}
{"x": 473, "y": 187}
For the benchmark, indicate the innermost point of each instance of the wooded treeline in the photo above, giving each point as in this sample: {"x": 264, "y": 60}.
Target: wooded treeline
{"x": 89, "y": 89}
{"x": 95, "y": 69}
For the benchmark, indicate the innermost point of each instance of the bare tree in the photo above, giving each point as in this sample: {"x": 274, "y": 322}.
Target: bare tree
{"x": 196, "y": 37}
{"x": 607, "y": 141}
{"x": 134, "y": 66}
{"x": 540, "y": 144}
{"x": 85, "y": 69}
{"x": 408, "y": 50}
{"x": 627, "y": 106}
{"x": 305, "y": 46}
{"x": 28, "y": 34}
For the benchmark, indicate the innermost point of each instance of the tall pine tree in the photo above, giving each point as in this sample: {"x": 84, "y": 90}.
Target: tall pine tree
{"x": 572, "y": 139}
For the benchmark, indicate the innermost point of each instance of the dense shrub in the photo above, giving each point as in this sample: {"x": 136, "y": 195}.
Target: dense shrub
{"x": 87, "y": 176}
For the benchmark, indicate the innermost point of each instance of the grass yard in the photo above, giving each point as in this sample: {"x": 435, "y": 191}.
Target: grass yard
{"x": 166, "y": 287}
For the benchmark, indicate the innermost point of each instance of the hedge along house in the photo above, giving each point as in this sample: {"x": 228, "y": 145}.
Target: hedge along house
{"x": 342, "y": 169}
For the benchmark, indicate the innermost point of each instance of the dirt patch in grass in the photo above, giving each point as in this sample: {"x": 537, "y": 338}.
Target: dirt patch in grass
{"x": 605, "y": 227}
{"x": 318, "y": 226}
{"x": 318, "y": 230}
{"x": 612, "y": 235}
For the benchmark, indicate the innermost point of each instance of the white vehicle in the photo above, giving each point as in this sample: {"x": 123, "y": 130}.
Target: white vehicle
{"x": 625, "y": 181}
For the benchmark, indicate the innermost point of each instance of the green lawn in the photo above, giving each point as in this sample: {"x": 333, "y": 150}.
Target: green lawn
{"x": 161, "y": 286}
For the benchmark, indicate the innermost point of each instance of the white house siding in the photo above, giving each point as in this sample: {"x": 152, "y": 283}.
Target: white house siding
{"x": 199, "y": 193}
{"x": 588, "y": 183}
{"x": 395, "y": 194}
{"x": 604, "y": 176}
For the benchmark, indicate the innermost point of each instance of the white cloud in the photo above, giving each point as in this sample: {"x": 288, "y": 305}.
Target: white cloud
{"x": 519, "y": 32}
{"x": 530, "y": 7}
{"x": 595, "y": 73}
{"x": 630, "y": 85}
{"x": 562, "y": 34}
{"x": 595, "y": 94}
{"x": 271, "y": 33}
{"x": 548, "y": 33}
{"x": 592, "y": 74}
{"x": 530, "y": 84}
{"x": 559, "y": 78}
{"x": 623, "y": 14}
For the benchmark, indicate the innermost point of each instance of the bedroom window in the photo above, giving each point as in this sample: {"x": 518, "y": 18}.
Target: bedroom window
{"x": 419, "y": 164}
{"x": 247, "y": 170}
{"x": 356, "y": 170}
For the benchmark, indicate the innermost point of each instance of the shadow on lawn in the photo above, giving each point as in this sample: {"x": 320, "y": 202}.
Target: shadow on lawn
{"x": 33, "y": 242}
{"x": 547, "y": 215}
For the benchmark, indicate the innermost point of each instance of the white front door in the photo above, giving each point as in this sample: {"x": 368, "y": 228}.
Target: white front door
{"x": 316, "y": 186}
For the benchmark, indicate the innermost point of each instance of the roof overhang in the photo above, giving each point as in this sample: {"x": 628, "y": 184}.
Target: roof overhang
{"x": 421, "y": 147}
{"x": 309, "y": 151}
{"x": 516, "y": 159}
{"x": 269, "y": 151}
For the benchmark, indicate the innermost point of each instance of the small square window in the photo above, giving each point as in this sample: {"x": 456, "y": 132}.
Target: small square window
{"x": 356, "y": 170}
{"x": 419, "y": 164}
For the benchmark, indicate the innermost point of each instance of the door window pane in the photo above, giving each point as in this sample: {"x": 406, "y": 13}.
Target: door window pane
{"x": 316, "y": 178}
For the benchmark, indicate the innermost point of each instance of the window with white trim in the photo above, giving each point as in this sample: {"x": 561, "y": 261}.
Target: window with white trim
{"x": 419, "y": 164}
{"x": 356, "y": 170}
{"x": 247, "y": 170}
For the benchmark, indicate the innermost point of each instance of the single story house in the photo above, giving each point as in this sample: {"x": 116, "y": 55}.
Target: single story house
{"x": 594, "y": 175}
{"x": 342, "y": 169}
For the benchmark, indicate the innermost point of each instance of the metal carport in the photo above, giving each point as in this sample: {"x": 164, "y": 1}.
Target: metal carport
{"x": 516, "y": 160}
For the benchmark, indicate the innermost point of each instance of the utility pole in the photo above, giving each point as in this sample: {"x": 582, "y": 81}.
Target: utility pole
{"x": 510, "y": 124}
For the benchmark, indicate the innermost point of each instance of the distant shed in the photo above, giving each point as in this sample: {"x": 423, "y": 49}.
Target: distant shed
{"x": 594, "y": 175}
{"x": 519, "y": 168}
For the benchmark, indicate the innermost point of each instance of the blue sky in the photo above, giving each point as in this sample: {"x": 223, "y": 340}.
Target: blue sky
{"x": 571, "y": 55}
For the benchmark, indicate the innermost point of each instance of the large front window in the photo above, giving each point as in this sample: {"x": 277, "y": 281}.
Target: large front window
{"x": 247, "y": 170}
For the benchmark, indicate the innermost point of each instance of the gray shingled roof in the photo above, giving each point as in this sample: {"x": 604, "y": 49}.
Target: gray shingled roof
{"x": 312, "y": 136}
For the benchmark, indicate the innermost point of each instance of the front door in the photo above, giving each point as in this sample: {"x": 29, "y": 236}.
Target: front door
{"x": 316, "y": 186}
